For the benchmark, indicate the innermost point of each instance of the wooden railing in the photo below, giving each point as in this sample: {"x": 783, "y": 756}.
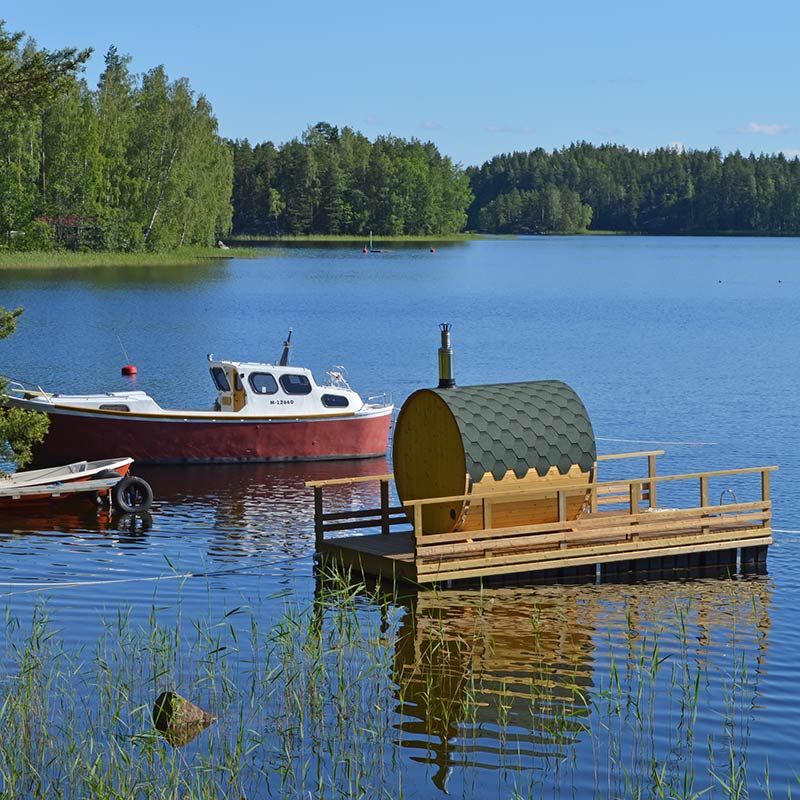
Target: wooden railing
{"x": 631, "y": 493}
{"x": 615, "y": 493}
{"x": 384, "y": 517}
{"x": 596, "y": 536}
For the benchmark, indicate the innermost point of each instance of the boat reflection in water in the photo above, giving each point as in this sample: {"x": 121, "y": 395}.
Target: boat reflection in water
{"x": 229, "y": 510}
{"x": 518, "y": 679}
{"x": 253, "y": 508}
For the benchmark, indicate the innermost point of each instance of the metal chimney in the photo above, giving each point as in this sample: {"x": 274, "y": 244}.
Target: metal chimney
{"x": 446, "y": 380}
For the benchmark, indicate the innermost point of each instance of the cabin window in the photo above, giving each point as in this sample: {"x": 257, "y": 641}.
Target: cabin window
{"x": 114, "y": 407}
{"x": 263, "y": 383}
{"x": 220, "y": 380}
{"x": 296, "y": 384}
{"x": 335, "y": 401}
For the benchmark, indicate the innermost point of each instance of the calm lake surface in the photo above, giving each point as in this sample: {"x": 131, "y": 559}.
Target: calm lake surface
{"x": 689, "y": 344}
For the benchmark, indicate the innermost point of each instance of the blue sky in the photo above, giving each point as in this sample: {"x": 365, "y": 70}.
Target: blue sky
{"x": 476, "y": 78}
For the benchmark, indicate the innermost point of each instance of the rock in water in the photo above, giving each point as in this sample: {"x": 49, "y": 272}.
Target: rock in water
{"x": 178, "y": 720}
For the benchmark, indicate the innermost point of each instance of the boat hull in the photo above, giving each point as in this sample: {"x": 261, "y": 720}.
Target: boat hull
{"x": 174, "y": 440}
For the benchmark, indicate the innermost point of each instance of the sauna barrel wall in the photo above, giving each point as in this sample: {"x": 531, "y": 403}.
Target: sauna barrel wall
{"x": 493, "y": 438}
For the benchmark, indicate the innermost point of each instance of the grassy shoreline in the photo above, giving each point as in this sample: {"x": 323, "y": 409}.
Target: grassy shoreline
{"x": 68, "y": 258}
{"x": 347, "y": 238}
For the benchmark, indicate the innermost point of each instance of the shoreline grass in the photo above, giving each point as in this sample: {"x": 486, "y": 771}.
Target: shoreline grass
{"x": 352, "y": 238}
{"x": 70, "y": 258}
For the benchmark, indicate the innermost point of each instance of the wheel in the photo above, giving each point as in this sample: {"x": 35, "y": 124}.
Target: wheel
{"x": 132, "y": 494}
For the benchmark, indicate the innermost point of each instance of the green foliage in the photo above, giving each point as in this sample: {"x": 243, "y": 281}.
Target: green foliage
{"x": 19, "y": 430}
{"x": 137, "y": 163}
{"x": 36, "y": 237}
{"x": 550, "y": 210}
{"x": 8, "y": 321}
{"x": 28, "y": 75}
{"x": 338, "y": 182}
{"x": 660, "y": 191}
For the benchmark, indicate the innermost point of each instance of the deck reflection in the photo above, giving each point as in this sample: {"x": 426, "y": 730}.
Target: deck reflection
{"x": 506, "y": 678}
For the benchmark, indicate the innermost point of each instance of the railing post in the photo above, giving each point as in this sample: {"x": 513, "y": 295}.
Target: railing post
{"x": 765, "y": 497}
{"x": 635, "y": 498}
{"x": 319, "y": 529}
{"x": 561, "y": 496}
{"x": 593, "y": 497}
{"x": 384, "y": 506}
{"x": 703, "y": 500}
{"x": 417, "y": 527}
{"x": 487, "y": 513}
{"x": 651, "y": 473}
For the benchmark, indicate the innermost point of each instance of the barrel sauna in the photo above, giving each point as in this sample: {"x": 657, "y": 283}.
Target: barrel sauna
{"x": 493, "y": 438}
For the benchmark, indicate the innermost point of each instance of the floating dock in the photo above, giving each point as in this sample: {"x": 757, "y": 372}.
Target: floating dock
{"x": 621, "y": 530}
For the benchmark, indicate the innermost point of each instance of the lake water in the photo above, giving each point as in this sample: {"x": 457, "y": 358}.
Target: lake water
{"x": 689, "y": 344}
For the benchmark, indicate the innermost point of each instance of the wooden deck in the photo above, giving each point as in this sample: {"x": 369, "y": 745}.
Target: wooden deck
{"x": 622, "y": 528}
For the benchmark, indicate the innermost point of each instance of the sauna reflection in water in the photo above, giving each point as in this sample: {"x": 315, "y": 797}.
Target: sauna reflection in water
{"x": 493, "y": 661}
{"x": 534, "y": 681}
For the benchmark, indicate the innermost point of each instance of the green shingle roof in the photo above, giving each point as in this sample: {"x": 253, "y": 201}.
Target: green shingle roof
{"x": 521, "y": 426}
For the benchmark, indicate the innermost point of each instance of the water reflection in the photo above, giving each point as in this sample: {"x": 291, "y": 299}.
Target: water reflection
{"x": 524, "y": 679}
{"x": 494, "y": 661}
{"x": 256, "y": 507}
{"x": 112, "y": 277}
{"x": 229, "y": 512}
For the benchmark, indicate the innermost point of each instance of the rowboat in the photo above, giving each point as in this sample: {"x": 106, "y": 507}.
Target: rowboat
{"x": 262, "y": 412}
{"x": 105, "y": 478}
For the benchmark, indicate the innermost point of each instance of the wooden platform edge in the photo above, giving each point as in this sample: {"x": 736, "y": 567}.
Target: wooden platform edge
{"x": 367, "y": 564}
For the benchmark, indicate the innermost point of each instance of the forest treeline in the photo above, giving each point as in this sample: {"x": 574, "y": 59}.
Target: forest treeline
{"x": 333, "y": 181}
{"x": 664, "y": 191}
{"x": 137, "y": 163}
{"x": 134, "y": 163}
{"x": 338, "y": 182}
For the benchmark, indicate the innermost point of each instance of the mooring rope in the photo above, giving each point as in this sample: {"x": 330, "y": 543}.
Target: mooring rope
{"x": 654, "y": 441}
{"x": 44, "y": 586}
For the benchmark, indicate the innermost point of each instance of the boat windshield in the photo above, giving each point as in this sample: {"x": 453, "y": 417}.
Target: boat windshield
{"x": 220, "y": 379}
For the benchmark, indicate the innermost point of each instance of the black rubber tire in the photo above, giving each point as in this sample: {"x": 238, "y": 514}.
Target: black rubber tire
{"x": 132, "y": 495}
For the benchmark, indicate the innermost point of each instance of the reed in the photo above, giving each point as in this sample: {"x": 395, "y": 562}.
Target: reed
{"x": 342, "y": 697}
{"x": 68, "y": 258}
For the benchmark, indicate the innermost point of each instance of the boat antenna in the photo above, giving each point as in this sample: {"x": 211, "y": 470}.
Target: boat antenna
{"x": 284, "y": 360}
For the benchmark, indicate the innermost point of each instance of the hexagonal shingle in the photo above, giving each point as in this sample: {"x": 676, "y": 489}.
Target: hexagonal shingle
{"x": 521, "y": 426}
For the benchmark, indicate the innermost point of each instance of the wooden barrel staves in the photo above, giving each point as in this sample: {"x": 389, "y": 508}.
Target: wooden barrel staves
{"x": 493, "y": 438}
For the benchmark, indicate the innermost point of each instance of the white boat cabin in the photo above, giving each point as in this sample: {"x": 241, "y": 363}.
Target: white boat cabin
{"x": 271, "y": 390}
{"x": 243, "y": 389}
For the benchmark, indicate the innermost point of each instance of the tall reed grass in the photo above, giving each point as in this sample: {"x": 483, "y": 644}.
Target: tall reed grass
{"x": 363, "y": 694}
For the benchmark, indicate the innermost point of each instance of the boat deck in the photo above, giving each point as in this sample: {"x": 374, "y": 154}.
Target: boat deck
{"x": 622, "y": 530}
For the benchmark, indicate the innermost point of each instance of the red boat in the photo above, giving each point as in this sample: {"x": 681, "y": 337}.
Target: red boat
{"x": 263, "y": 412}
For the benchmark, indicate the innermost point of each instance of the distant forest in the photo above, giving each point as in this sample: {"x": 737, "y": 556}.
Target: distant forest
{"x": 335, "y": 181}
{"x": 614, "y": 188}
{"x": 338, "y": 182}
{"x": 137, "y": 163}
